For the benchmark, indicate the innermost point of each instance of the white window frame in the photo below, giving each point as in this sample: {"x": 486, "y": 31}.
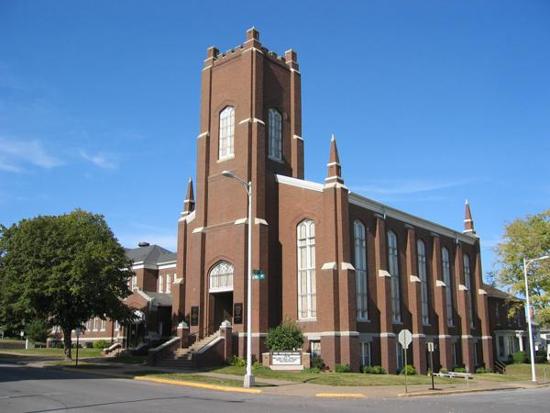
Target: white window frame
{"x": 133, "y": 282}
{"x": 393, "y": 267}
{"x": 366, "y": 353}
{"x": 275, "y": 131}
{"x": 161, "y": 284}
{"x": 468, "y": 284}
{"x": 220, "y": 278}
{"x": 360, "y": 264}
{"x": 226, "y": 133}
{"x": 168, "y": 283}
{"x": 102, "y": 324}
{"x": 447, "y": 279}
{"x": 305, "y": 246}
{"x": 423, "y": 275}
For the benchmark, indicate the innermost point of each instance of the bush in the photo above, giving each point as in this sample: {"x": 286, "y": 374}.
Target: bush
{"x": 285, "y": 337}
{"x": 313, "y": 370}
{"x": 342, "y": 368}
{"x": 317, "y": 363}
{"x": 37, "y": 331}
{"x": 237, "y": 361}
{"x": 101, "y": 344}
{"x": 443, "y": 370}
{"x": 459, "y": 369}
{"x": 519, "y": 357}
{"x": 540, "y": 358}
{"x": 411, "y": 371}
{"x": 482, "y": 370}
{"x": 374, "y": 370}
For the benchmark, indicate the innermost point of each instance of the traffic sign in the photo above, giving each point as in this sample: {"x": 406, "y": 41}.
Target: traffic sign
{"x": 405, "y": 338}
{"x": 431, "y": 346}
{"x": 258, "y": 275}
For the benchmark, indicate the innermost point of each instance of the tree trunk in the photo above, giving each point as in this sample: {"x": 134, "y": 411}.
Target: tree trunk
{"x": 67, "y": 343}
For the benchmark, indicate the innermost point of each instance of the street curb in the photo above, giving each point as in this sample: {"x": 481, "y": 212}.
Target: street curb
{"x": 198, "y": 385}
{"x": 341, "y": 395}
{"x": 461, "y": 391}
{"x": 183, "y": 383}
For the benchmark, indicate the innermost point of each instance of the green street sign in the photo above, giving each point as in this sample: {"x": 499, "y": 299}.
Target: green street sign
{"x": 258, "y": 275}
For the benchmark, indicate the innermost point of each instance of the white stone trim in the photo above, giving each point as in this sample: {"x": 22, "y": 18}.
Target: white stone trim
{"x": 250, "y": 49}
{"x": 333, "y": 163}
{"x": 260, "y": 221}
{"x": 466, "y": 336}
{"x": 486, "y": 337}
{"x": 387, "y": 334}
{"x": 241, "y": 221}
{"x": 165, "y": 266}
{"x": 405, "y": 217}
{"x": 298, "y": 137}
{"x": 329, "y": 266}
{"x": 334, "y": 184}
{"x": 384, "y": 273}
{"x": 347, "y": 266}
{"x": 243, "y": 334}
{"x": 210, "y": 345}
{"x": 202, "y": 135}
{"x": 462, "y": 287}
{"x": 481, "y": 291}
{"x": 414, "y": 279}
{"x": 294, "y": 70}
{"x": 439, "y": 283}
{"x": 419, "y": 335}
{"x": 145, "y": 296}
{"x": 444, "y": 336}
{"x": 299, "y": 183}
{"x": 207, "y": 67}
{"x": 256, "y": 120}
{"x": 244, "y": 121}
{"x": 198, "y": 229}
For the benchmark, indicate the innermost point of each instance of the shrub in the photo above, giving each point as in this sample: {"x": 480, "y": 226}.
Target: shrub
{"x": 519, "y": 357}
{"x": 459, "y": 369}
{"x": 317, "y": 363}
{"x": 313, "y": 370}
{"x": 37, "y": 331}
{"x": 540, "y": 358}
{"x": 101, "y": 344}
{"x": 411, "y": 371}
{"x": 342, "y": 368}
{"x": 443, "y": 370}
{"x": 285, "y": 337}
{"x": 482, "y": 370}
{"x": 237, "y": 361}
{"x": 374, "y": 370}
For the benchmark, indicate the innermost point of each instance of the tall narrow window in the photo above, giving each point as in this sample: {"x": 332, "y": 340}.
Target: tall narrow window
{"x": 365, "y": 353}
{"x": 161, "y": 284}
{"x": 227, "y": 132}
{"x": 469, "y": 286}
{"x": 446, "y": 262}
{"x": 168, "y": 283}
{"x": 361, "y": 270}
{"x": 422, "y": 274}
{"x": 307, "y": 306}
{"x": 393, "y": 264}
{"x": 275, "y": 134}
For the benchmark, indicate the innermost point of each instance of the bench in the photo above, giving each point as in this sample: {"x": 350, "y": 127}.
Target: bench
{"x": 454, "y": 374}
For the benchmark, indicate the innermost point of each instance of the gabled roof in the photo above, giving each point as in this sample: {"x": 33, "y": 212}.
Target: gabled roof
{"x": 494, "y": 292}
{"x": 150, "y": 255}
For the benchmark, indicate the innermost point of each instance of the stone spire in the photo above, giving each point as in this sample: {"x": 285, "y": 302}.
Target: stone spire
{"x": 334, "y": 170}
{"x": 468, "y": 221}
{"x": 189, "y": 203}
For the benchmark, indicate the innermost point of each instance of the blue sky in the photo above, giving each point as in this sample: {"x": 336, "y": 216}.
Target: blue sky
{"x": 432, "y": 102}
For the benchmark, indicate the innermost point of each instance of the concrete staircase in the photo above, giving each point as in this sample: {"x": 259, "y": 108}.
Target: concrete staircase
{"x": 182, "y": 358}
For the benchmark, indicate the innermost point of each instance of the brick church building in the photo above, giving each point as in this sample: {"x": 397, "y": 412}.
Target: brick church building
{"x": 351, "y": 271}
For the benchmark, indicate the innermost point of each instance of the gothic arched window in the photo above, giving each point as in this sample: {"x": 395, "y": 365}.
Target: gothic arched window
{"x": 307, "y": 305}
{"x": 221, "y": 277}
{"x": 360, "y": 265}
{"x": 422, "y": 274}
{"x": 227, "y": 132}
{"x": 469, "y": 285}
{"x": 275, "y": 130}
{"x": 446, "y": 262}
{"x": 393, "y": 266}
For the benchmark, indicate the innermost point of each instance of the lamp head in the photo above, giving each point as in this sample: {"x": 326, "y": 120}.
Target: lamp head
{"x": 228, "y": 174}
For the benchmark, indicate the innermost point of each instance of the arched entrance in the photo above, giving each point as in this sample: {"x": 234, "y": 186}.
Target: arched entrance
{"x": 220, "y": 295}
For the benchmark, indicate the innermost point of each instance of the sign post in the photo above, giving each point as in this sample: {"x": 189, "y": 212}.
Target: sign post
{"x": 405, "y": 339}
{"x": 431, "y": 348}
{"x": 77, "y": 337}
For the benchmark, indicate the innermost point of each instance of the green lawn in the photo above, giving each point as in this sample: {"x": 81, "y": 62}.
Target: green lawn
{"x": 335, "y": 379}
{"x": 519, "y": 372}
{"x": 53, "y": 352}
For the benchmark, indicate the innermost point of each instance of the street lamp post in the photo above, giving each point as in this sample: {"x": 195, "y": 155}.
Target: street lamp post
{"x": 249, "y": 377}
{"x": 531, "y": 344}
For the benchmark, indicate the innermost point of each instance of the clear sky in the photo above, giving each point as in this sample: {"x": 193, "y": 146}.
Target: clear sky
{"x": 432, "y": 102}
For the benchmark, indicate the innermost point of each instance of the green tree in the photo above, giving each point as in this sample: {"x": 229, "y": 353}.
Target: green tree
{"x": 527, "y": 238}
{"x": 64, "y": 269}
{"x": 37, "y": 330}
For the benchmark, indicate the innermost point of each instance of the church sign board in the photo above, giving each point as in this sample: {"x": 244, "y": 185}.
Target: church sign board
{"x": 286, "y": 360}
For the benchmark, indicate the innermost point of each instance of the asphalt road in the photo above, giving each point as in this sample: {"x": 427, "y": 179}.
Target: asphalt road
{"x": 26, "y": 389}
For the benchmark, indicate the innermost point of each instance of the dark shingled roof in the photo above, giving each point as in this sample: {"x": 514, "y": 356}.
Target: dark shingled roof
{"x": 496, "y": 293}
{"x": 151, "y": 254}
